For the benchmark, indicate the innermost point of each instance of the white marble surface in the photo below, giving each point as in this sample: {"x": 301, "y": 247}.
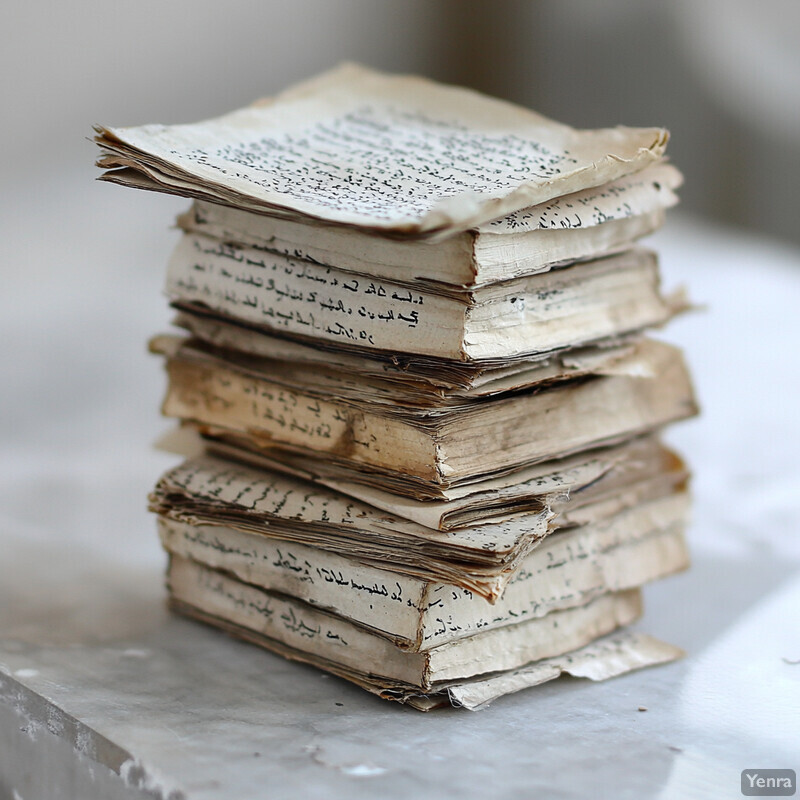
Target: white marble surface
{"x": 90, "y": 661}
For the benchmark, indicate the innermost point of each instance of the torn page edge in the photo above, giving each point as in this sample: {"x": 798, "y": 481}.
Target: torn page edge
{"x": 606, "y": 658}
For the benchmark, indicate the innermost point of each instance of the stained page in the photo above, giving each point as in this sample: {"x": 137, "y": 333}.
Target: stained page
{"x": 393, "y": 153}
{"x": 364, "y": 383}
{"x": 576, "y": 489}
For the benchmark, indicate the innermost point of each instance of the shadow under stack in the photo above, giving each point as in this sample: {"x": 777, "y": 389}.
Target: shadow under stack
{"x": 420, "y": 411}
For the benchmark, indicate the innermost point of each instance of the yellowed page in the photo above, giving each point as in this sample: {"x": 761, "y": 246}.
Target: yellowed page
{"x": 275, "y": 415}
{"x": 566, "y": 570}
{"x": 215, "y": 491}
{"x": 359, "y": 650}
{"x": 386, "y": 152}
{"x": 644, "y": 192}
{"x": 606, "y": 658}
{"x": 541, "y": 637}
{"x": 303, "y": 299}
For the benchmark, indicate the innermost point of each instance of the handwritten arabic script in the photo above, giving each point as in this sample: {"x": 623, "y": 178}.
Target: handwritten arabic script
{"x": 383, "y": 162}
{"x": 621, "y": 199}
{"x": 301, "y": 298}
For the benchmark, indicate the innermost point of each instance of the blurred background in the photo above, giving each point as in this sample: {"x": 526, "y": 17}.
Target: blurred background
{"x": 722, "y": 75}
{"x": 83, "y": 265}
{"x": 83, "y": 262}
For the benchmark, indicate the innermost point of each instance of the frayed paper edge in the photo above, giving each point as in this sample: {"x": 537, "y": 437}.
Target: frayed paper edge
{"x": 606, "y": 658}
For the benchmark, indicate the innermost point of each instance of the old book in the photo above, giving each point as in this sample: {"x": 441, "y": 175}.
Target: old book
{"x": 385, "y": 153}
{"x": 561, "y": 308}
{"x": 393, "y": 389}
{"x": 390, "y": 376}
{"x": 567, "y": 569}
{"x": 605, "y": 657}
{"x": 424, "y": 448}
{"x": 579, "y": 226}
{"x": 330, "y": 639}
{"x": 616, "y": 477}
{"x": 480, "y": 556}
{"x": 421, "y": 410}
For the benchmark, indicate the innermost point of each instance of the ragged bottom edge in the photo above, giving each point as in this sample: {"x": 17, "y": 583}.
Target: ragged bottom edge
{"x": 606, "y": 657}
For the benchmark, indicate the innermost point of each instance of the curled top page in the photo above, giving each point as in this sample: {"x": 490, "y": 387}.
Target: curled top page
{"x": 397, "y": 154}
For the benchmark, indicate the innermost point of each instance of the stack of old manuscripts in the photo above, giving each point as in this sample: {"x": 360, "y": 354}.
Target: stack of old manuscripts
{"x": 423, "y": 411}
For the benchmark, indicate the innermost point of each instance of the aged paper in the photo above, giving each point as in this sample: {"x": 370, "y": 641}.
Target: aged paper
{"x": 228, "y": 487}
{"x": 303, "y": 299}
{"x": 603, "y": 299}
{"x": 369, "y": 381}
{"x": 325, "y": 636}
{"x": 582, "y": 225}
{"x": 394, "y": 153}
{"x": 606, "y": 658}
{"x": 566, "y": 570}
{"x": 626, "y": 473}
{"x": 440, "y": 448}
{"x": 644, "y": 192}
{"x": 215, "y": 492}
